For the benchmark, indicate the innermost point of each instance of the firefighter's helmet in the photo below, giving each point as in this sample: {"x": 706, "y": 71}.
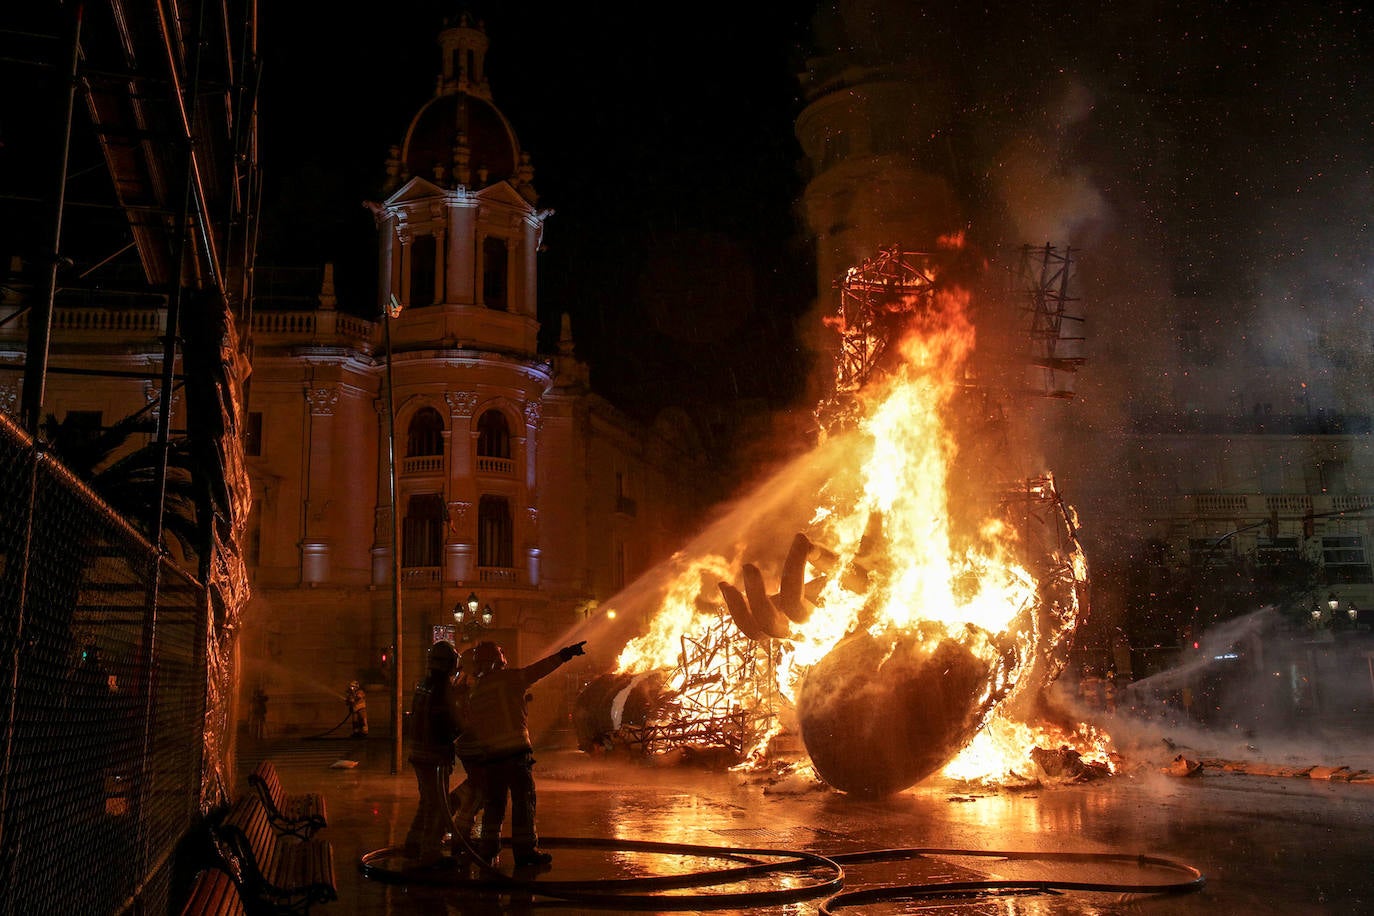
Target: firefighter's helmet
{"x": 442, "y": 656}
{"x": 487, "y": 657}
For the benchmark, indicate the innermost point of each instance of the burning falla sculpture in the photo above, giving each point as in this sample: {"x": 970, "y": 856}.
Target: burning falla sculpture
{"x": 887, "y": 706}
{"x": 919, "y": 599}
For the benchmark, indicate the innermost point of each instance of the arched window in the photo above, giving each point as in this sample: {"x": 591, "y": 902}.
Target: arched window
{"x": 495, "y": 533}
{"x": 493, "y": 435}
{"x": 422, "y": 531}
{"x": 425, "y": 436}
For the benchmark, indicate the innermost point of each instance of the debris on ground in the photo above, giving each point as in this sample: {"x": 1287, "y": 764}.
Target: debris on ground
{"x": 1182, "y": 766}
{"x": 1066, "y": 763}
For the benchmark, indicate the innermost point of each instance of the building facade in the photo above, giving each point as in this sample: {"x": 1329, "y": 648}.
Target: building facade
{"x": 515, "y": 484}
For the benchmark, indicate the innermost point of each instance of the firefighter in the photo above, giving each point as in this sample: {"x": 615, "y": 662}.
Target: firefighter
{"x": 434, "y": 723}
{"x": 466, "y": 800}
{"x": 496, "y": 740}
{"x": 357, "y": 708}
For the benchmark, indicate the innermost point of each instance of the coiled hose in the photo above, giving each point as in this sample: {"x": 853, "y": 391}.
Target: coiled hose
{"x": 825, "y": 874}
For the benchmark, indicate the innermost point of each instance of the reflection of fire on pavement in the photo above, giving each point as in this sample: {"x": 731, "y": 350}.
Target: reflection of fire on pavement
{"x": 922, "y": 606}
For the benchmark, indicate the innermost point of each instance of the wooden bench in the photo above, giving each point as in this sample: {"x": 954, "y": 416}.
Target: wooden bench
{"x": 275, "y": 872}
{"x": 300, "y": 815}
{"x": 214, "y": 893}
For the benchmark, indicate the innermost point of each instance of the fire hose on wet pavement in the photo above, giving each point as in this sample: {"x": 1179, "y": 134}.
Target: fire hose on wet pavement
{"x": 826, "y": 874}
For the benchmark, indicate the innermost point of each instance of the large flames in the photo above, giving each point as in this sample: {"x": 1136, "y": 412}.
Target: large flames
{"x": 892, "y": 560}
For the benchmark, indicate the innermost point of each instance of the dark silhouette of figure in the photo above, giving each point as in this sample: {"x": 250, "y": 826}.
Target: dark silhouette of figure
{"x": 434, "y": 724}
{"x": 495, "y": 740}
{"x": 357, "y": 708}
{"x": 257, "y": 713}
{"x": 467, "y": 798}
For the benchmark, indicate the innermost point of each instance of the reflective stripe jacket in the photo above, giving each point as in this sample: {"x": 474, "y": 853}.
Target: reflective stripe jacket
{"x": 495, "y": 722}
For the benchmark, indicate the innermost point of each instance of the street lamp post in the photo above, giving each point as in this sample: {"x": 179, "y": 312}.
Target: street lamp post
{"x": 469, "y": 621}
{"x": 389, "y": 311}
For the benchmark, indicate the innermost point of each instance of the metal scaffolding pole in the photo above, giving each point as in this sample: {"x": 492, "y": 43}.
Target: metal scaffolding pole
{"x": 40, "y": 323}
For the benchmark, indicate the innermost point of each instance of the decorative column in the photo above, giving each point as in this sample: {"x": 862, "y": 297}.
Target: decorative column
{"x": 534, "y": 417}
{"x": 534, "y": 420}
{"x": 315, "y": 540}
{"x": 461, "y": 404}
{"x": 381, "y": 531}
{"x": 460, "y": 262}
{"x": 532, "y": 550}
{"x": 458, "y": 553}
{"x": 527, "y": 277}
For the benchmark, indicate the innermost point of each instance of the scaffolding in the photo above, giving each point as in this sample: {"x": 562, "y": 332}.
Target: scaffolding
{"x": 1055, "y": 328}
{"x": 144, "y": 118}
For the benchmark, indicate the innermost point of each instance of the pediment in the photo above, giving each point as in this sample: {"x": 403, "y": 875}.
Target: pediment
{"x": 415, "y": 190}
{"x": 503, "y": 193}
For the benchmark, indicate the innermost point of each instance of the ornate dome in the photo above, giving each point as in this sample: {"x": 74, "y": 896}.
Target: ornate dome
{"x": 461, "y": 139}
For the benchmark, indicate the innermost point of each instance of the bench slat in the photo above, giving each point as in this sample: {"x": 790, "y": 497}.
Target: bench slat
{"x": 213, "y": 893}
{"x": 288, "y": 871}
{"x": 301, "y": 814}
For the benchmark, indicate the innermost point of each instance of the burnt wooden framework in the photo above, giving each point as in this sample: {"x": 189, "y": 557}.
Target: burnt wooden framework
{"x": 722, "y": 694}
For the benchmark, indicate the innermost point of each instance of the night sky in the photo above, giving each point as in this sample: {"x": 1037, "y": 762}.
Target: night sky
{"x": 1186, "y": 147}
{"x": 1222, "y": 144}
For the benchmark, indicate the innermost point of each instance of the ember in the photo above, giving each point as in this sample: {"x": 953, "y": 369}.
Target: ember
{"x": 903, "y": 620}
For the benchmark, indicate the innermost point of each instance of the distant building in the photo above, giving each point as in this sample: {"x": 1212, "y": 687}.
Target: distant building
{"x": 516, "y": 483}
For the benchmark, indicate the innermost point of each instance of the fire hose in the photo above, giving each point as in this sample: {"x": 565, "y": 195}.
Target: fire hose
{"x": 325, "y": 734}
{"x": 825, "y": 871}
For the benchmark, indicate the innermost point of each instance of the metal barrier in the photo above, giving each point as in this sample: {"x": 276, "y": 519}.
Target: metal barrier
{"x": 102, "y": 696}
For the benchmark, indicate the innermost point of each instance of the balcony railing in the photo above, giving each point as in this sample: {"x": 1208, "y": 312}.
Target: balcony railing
{"x": 500, "y": 575}
{"x": 501, "y": 467}
{"x": 1209, "y": 502}
{"x": 326, "y": 326}
{"x": 420, "y": 576}
{"x": 423, "y": 464}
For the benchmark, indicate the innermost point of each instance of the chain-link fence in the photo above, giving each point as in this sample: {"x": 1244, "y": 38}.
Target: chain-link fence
{"x": 102, "y": 649}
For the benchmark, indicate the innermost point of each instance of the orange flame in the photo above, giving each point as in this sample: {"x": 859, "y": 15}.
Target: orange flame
{"x": 892, "y": 562}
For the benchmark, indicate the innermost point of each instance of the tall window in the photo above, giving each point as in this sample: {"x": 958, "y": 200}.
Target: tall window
{"x": 422, "y": 531}
{"x": 494, "y": 264}
{"x": 495, "y": 533}
{"x": 1344, "y": 560}
{"x": 422, "y": 261}
{"x": 493, "y": 435}
{"x": 425, "y": 436}
{"x": 618, "y": 567}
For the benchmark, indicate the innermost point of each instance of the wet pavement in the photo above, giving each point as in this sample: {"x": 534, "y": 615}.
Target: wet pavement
{"x": 1274, "y": 844}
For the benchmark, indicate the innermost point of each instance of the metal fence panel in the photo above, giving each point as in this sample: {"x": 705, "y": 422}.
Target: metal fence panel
{"x": 103, "y": 698}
